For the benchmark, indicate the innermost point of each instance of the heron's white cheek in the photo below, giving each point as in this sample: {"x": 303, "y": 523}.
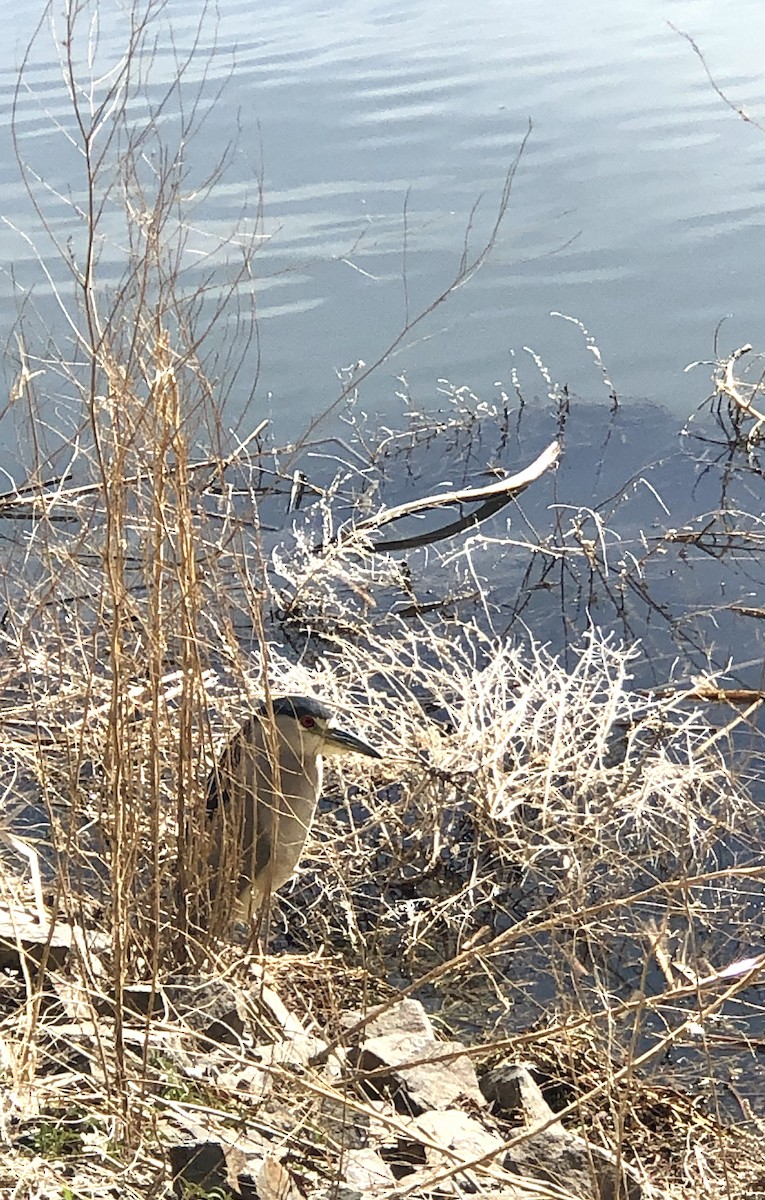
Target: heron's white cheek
{"x": 335, "y": 750}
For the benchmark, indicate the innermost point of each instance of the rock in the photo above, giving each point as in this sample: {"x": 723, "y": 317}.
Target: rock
{"x": 436, "y": 1081}
{"x": 568, "y": 1160}
{"x": 212, "y": 1008}
{"x": 457, "y": 1132}
{"x": 68, "y": 1047}
{"x": 13, "y": 992}
{"x": 201, "y": 1166}
{"x": 197, "y": 1168}
{"x": 554, "y": 1154}
{"x": 247, "y": 1080}
{"x": 286, "y": 1020}
{"x": 255, "y": 1078}
{"x": 513, "y": 1091}
{"x": 340, "y": 1191}
{"x": 274, "y": 1182}
{"x": 406, "y": 1016}
{"x": 441, "y": 1141}
{"x": 298, "y": 1050}
{"x": 366, "y": 1170}
{"x": 403, "y": 1034}
{"x": 138, "y": 999}
{"x": 219, "y": 1012}
{"x": 526, "y": 1190}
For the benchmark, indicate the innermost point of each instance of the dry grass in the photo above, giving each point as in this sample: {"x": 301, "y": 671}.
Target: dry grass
{"x": 545, "y": 856}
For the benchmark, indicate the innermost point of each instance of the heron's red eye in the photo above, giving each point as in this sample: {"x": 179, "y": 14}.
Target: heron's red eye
{"x": 308, "y": 722}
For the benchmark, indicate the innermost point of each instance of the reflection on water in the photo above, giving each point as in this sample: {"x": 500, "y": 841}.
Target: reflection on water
{"x": 637, "y": 207}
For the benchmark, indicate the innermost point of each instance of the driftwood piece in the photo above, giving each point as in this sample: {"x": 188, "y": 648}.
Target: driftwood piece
{"x": 490, "y": 500}
{"x": 25, "y": 941}
{"x": 730, "y": 387}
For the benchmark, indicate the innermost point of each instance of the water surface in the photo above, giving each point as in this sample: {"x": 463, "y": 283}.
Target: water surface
{"x": 636, "y": 207}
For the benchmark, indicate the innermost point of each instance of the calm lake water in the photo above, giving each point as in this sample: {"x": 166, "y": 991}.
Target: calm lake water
{"x": 637, "y": 207}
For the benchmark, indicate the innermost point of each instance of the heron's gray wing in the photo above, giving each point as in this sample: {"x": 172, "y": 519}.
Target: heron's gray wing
{"x": 263, "y": 850}
{"x": 227, "y": 770}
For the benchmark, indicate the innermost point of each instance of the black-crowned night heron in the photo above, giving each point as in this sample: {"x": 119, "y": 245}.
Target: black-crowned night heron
{"x": 263, "y": 792}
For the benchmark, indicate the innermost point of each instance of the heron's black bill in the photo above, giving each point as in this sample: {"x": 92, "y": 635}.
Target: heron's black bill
{"x": 341, "y": 740}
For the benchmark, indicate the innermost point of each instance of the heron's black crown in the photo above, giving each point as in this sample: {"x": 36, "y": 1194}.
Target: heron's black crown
{"x": 296, "y": 707}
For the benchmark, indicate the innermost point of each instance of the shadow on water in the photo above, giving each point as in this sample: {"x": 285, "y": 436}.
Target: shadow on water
{"x": 648, "y": 529}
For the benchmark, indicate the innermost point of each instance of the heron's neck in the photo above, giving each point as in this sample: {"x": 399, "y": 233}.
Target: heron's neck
{"x": 296, "y": 768}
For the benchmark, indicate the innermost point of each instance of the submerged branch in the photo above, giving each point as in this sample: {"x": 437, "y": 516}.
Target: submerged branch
{"x": 490, "y": 500}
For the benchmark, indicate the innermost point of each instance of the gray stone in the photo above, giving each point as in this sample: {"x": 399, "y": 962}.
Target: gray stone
{"x": 298, "y": 1049}
{"x": 435, "y": 1082}
{"x": 366, "y": 1170}
{"x": 511, "y": 1090}
{"x": 457, "y": 1132}
{"x": 569, "y": 1161}
{"x": 200, "y": 1167}
{"x": 553, "y": 1154}
{"x": 340, "y": 1191}
{"x": 138, "y": 1000}
{"x": 212, "y": 1008}
{"x": 406, "y": 1016}
{"x": 204, "y": 1167}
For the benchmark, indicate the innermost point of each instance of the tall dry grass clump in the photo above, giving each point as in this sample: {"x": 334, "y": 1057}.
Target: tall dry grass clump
{"x": 106, "y": 644}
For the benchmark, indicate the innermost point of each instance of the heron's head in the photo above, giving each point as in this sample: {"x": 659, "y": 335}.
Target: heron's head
{"x": 307, "y": 723}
